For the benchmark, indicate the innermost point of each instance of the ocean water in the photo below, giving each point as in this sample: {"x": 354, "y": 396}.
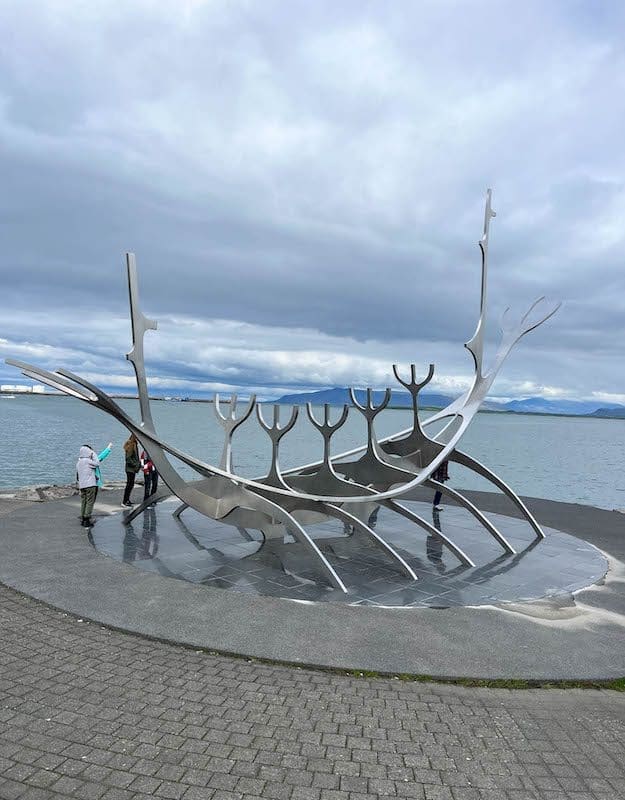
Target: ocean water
{"x": 571, "y": 459}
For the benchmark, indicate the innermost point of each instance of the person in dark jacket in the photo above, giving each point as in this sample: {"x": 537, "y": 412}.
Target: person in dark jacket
{"x": 150, "y": 475}
{"x": 441, "y": 475}
{"x": 133, "y": 465}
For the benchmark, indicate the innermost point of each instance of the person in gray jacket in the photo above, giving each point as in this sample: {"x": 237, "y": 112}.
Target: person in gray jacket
{"x": 86, "y": 467}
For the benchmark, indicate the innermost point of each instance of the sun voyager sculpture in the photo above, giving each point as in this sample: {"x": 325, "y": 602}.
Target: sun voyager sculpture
{"x": 344, "y": 486}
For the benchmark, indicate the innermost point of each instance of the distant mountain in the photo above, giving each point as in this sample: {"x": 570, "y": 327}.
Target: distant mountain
{"x": 530, "y": 405}
{"x": 339, "y": 397}
{"x": 618, "y": 412}
{"x": 541, "y": 405}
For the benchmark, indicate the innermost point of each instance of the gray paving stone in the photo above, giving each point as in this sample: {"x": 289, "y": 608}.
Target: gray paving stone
{"x": 170, "y": 790}
{"x": 87, "y": 712}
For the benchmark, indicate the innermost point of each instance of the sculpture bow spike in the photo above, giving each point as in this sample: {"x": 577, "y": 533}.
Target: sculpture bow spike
{"x": 475, "y": 345}
{"x": 140, "y": 324}
{"x": 488, "y": 215}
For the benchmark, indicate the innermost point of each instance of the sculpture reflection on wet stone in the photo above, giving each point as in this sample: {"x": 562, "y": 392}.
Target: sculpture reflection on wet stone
{"x": 345, "y": 486}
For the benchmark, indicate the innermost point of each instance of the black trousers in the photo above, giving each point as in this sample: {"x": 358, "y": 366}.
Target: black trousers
{"x": 151, "y": 484}
{"x": 130, "y": 482}
{"x": 437, "y": 498}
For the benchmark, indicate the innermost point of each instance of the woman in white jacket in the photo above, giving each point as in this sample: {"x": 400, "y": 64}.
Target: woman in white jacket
{"x": 86, "y": 467}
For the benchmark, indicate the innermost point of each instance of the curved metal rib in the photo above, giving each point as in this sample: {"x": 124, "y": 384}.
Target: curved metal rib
{"x": 476, "y": 466}
{"x": 399, "y": 508}
{"x": 345, "y": 516}
{"x": 129, "y": 516}
{"x": 296, "y": 530}
{"x": 54, "y": 380}
{"x": 327, "y": 480}
{"x": 466, "y": 503}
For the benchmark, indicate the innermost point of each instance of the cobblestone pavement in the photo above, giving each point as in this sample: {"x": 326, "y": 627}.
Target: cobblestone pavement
{"x": 92, "y": 713}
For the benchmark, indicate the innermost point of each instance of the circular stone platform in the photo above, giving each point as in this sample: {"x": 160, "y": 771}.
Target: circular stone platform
{"x": 566, "y": 635}
{"x": 200, "y": 550}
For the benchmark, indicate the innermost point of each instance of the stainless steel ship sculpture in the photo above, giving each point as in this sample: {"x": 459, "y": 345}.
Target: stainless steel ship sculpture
{"x": 344, "y": 486}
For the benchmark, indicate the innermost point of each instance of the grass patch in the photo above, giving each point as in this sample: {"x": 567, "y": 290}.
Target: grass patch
{"x": 616, "y": 685}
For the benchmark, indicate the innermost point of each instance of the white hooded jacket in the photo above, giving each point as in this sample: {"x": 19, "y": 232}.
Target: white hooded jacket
{"x": 86, "y": 466}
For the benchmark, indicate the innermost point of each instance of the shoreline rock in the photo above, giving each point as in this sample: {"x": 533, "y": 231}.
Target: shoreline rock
{"x": 41, "y": 493}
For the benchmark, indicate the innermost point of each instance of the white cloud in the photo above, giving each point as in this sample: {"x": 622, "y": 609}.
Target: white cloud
{"x": 189, "y": 355}
{"x": 303, "y": 182}
{"x": 611, "y": 398}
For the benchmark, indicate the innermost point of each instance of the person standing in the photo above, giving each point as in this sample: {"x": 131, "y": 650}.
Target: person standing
{"x": 441, "y": 475}
{"x": 150, "y": 475}
{"x": 87, "y": 482}
{"x": 133, "y": 465}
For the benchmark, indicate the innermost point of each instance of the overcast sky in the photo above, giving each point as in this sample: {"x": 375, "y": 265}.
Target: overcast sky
{"x": 303, "y": 186}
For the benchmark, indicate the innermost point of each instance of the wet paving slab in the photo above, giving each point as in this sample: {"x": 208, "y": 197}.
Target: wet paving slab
{"x": 202, "y": 551}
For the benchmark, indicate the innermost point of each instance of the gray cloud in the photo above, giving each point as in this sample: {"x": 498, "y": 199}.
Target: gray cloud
{"x": 312, "y": 176}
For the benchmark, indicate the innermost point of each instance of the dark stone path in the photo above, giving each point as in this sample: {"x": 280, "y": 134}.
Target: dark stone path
{"x": 87, "y": 712}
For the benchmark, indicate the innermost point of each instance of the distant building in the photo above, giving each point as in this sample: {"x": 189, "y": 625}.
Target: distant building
{"x": 21, "y": 388}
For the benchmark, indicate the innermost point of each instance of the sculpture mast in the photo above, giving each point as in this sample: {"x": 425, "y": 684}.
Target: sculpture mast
{"x": 140, "y": 324}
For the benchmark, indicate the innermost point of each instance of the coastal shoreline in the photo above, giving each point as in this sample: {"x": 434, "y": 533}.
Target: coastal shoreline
{"x": 391, "y": 406}
{"x": 41, "y": 493}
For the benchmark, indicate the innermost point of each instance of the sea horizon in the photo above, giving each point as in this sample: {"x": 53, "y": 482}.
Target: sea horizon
{"x": 224, "y": 398}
